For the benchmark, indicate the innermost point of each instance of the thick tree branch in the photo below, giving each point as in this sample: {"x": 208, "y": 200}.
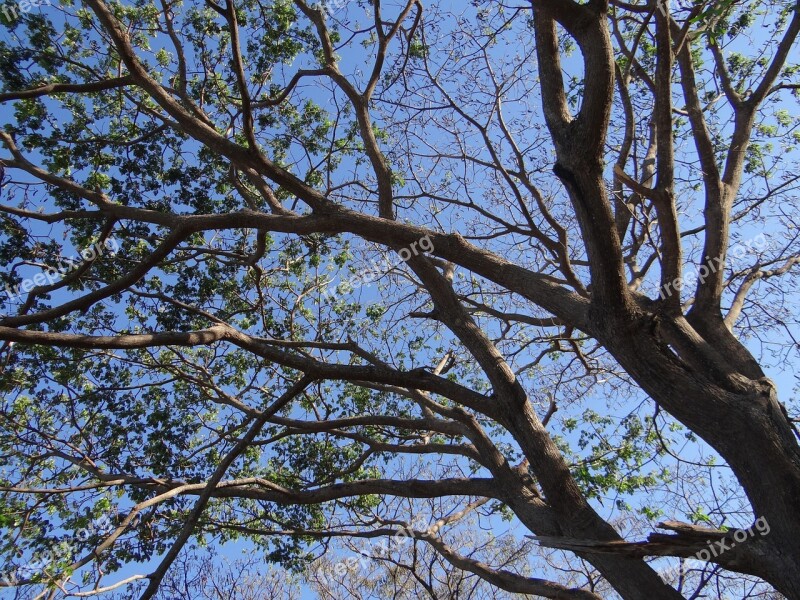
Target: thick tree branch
{"x": 67, "y": 88}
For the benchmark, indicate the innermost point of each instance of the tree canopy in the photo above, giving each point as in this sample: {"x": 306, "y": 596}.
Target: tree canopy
{"x": 281, "y": 274}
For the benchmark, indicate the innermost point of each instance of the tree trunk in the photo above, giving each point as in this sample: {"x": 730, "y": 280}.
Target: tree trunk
{"x": 747, "y": 426}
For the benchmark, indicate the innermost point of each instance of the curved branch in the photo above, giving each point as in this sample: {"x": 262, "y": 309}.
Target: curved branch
{"x": 504, "y": 579}
{"x": 62, "y": 88}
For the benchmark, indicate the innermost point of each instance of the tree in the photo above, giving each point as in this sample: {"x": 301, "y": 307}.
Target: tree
{"x": 203, "y": 576}
{"x": 275, "y": 267}
{"x": 403, "y": 567}
{"x": 364, "y": 565}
